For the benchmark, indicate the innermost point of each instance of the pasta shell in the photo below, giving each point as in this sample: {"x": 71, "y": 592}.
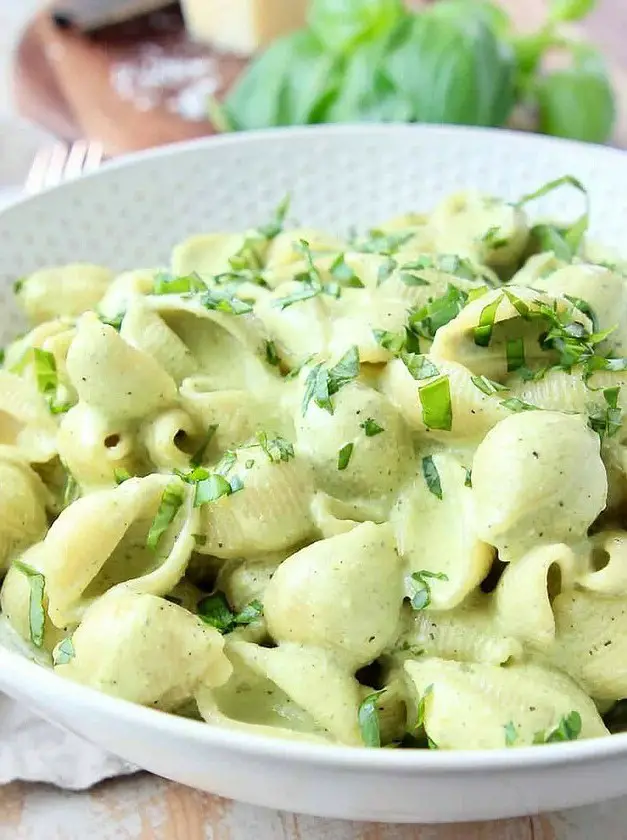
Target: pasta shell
{"x": 65, "y": 290}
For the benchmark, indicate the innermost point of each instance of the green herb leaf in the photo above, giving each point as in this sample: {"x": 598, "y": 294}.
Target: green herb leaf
{"x": 211, "y": 488}
{"x": 516, "y": 405}
{"x": 321, "y": 384}
{"x": 344, "y": 274}
{"x": 561, "y": 11}
{"x": 171, "y": 501}
{"x": 169, "y": 284}
{"x": 121, "y": 475}
{"x": 432, "y": 476}
{"x": 272, "y": 357}
{"x": 412, "y": 279}
{"x": 515, "y": 351}
{"x": 494, "y": 239}
{"x": 428, "y": 320}
{"x": 511, "y": 735}
{"x": 343, "y": 24}
{"x": 276, "y": 225}
{"x": 71, "y": 491}
{"x": 487, "y": 386}
{"x": 220, "y": 300}
{"x": 378, "y": 242}
{"x": 45, "y": 368}
{"x": 306, "y": 293}
{"x": 36, "y": 613}
{"x": 64, "y": 652}
{"x": 568, "y": 729}
{"x": 394, "y": 342}
{"x": 115, "y": 322}
{"x": 345, "y": 371}
{"x": 584, "y": 306}
{"x": 468, "y": 479}
{"x": 276, "y": 449}
{"x": 371, "y": 427}
{"x": 368, "y": 718}
{"x": 198, "y": 456}
{"x": 344, "y": 456}
{"x": 572, "y": 236}
{"x": 421, "y": 598}
{"x": 435, "y": 399}
{"x": 607, "y": 421}
{"x": 483, "y": 331}
{"x": 215, "y": 611}
{"x": 386, "y": 269}
{"x": 422, "y": 707}
{"x": 419, "y": 366}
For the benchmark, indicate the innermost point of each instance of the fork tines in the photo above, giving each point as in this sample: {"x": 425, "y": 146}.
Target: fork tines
{"x": 60, "y": 162}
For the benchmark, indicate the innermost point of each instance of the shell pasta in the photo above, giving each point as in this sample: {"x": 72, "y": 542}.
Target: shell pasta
{"x": 369, "y": 491}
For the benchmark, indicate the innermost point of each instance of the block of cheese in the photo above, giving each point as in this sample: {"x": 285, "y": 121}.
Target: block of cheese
{"x": 242, "y": 26}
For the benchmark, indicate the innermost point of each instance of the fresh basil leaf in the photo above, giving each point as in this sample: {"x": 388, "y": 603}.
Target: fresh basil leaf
{"x": 562, "y": 11}
{"x": 344, "y": 456}
{"x": 220, "y": 300}
{"x": 419, "y": 366}
{"x": 483, "y": 331}
{"x": 394, "y": 342}
{"x": 432, "y": 476}
{"x": 550, "y": 238}
{"x": 272, "y": 357}
{"x": 516, "y": 405}
{"x": 494, "y": 239}
{"x": 345, "y": 371}
{"x": 568, "y": 729}
{"x": 198, "y": 456}
{"x": 511, "y": 735}
{"x": 71, "y": 491}
{"x": 551, "y": 186}
{"x": 306, "y": 293}
{"x": 45, "y": 368}
{"x": 212, "y": 488}
{"x": 270, "y": 230}
{"x": 115, "y": 322}
{"x": 421, "y": 598}
{"x": 379, "y": 242}
{"x": 317, "y": 389}
{"x": 435, "y": 399}
{"x": 371, "y": 427}
{"x": 430, "y": 318}
{"x": 341, "y": 24}
{"x": 412, "y": 279}
{"x": 121, "y": 475}
{"x": 452, "y": 67}
{"x": 487, "y": 386}
{"x": 36, "y": 613}
{"x": 607, "y": 421}
{"x": 252, "y": 612}
{"x": 293, "y": 82}
{"x": 276, "y": 449}
{"x": 64, "y": 652}
{"x": 573, "y": 235}
{"x": 386, "y": 269}
{"x": 368, "y": 718}
{"x": 468, "y": 479}
{"x": 422, "y": 707}
{"x": 584, "y": 306}
{"x": 344, "y": 274}
{"x": 215, "y": 611}
{"x": 169, "y": 284}
{"x": 171, "y": 502}
{"x": 515, "y": 352}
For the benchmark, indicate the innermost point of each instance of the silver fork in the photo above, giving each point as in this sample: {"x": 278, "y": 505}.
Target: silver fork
{"x": 60, "y": 162}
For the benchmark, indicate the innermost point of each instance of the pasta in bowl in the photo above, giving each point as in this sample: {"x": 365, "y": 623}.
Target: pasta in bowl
{"x": 365, "y": 491}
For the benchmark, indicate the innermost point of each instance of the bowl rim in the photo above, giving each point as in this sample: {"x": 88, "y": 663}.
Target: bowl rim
{"x": 24, "y": 673}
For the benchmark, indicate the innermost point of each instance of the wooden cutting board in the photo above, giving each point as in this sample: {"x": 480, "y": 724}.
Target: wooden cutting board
{"x": 144, "y": 83}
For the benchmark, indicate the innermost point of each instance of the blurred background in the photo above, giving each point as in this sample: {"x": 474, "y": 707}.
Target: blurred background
{"x": 132, "y": 74}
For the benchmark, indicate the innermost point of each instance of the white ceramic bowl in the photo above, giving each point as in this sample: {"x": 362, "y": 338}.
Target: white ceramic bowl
{"x": 130, "y": 214}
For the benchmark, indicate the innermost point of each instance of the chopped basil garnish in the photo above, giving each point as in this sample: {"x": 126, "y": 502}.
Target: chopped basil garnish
{"x": 494, "y": 239}
{"x": 427, "y": 320}
{"x": 371, "y": 427}
{"x": 515, "y": 353}
{"x": 296, "y": 370}
{"x": 410, "y": 279}
{"x": 298, "y": 296}
{"x": 422, "y": 707}
{"x": 584, "y": 306}
{"x": 310, "y": 280}
{"x": 511, "y": 735}
{"x": 36, "y": 613}
{"x": 276, "y": 449}
{"x": 121, "y": 475}
{"x": 378, "y": 242}
{"x": 568, "y": 729}
{"x": 220, "y": 300}
{"x": 71, "y": 491}
{"x": 483, "y": 331}
{"x": 516, "y": 405}
{"x": 487, "y": 386}
{"x": 322, "y": 383}
{"x": 275, "y": 226}
{"x": 565, "y": 242}
{"x": 419, "y": 366}
{"x": 64, "y": 652}
{"x": 394, "y": 342}
{"x": 198, "y": 456}
{"x": 435, "y": 399}
{"x": 344, "y": 456}
{"x": 432, "y": 476}
{"x": 422, "y": 589}
{"x": 368, "y": 718}
{"x": 344, "y": 274}
{"x": 272, "y": 357}
{"x": 169, "y": 506}
{"x": 468, "y": 479}
{"x": 115, "y": 322}
{"x": 211, "y": 488}
{"x": 606, "y": 420}
{"x": 215, "y": 611}
{"x": 18, "y": 285}
{"x": 169, "y": 284}
{"x": 48, "y": 380}
{"x": 226, "y": 463}
{"x": 386, "y": 269}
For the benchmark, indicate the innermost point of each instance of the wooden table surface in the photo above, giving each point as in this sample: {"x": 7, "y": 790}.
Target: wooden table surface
{"x": 147, "y": 808}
